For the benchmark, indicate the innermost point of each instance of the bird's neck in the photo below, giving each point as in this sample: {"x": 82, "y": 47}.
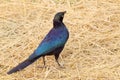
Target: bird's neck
{"x": 57, "y": 24}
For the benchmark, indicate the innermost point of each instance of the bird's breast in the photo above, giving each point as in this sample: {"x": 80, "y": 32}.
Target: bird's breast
{"x": 62, "y": 35}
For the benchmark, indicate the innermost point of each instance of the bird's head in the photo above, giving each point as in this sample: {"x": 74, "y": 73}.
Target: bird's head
{"x": 59, "y": 16}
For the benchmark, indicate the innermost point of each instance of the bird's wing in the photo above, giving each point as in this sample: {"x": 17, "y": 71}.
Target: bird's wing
{"x": 49, "y": 43}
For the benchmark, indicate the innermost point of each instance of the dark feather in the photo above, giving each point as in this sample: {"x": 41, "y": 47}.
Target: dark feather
{"x": 52, "y": 44}
{"x": 21, "y": 66}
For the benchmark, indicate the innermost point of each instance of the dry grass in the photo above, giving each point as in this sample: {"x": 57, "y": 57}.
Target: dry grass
{"x": 92, "y": 51}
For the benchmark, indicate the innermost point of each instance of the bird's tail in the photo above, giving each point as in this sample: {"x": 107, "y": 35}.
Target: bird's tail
{"x": 21, "y": 66}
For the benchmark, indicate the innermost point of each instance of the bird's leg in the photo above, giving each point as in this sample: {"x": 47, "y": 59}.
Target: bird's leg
{"x": 56, "y": 58}
{"x": 44, "y": 61}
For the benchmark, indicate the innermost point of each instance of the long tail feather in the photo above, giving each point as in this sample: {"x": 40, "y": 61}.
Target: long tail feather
{"x": 21, "y": 66}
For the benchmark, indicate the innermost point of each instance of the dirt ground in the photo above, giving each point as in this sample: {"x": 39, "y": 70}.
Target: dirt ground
{"x": 91, "y": 53}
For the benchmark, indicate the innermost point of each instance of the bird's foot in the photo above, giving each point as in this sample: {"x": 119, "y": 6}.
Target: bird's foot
{"x": 61, "y": 66}
{"x": 44, "y": 66}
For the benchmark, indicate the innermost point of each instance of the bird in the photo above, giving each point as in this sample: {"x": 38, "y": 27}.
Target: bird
{"x": 52, "y": 44}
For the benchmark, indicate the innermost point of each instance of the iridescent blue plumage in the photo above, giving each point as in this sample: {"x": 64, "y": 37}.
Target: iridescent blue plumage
{"x": 54, "y": 39}
{"x": 52, "y": 44}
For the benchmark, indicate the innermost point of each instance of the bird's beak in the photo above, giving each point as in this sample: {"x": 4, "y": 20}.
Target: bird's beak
{"x": 64, "y": 12}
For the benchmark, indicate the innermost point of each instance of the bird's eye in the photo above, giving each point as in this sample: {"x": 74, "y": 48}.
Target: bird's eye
{"x": 62, "y": 16}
